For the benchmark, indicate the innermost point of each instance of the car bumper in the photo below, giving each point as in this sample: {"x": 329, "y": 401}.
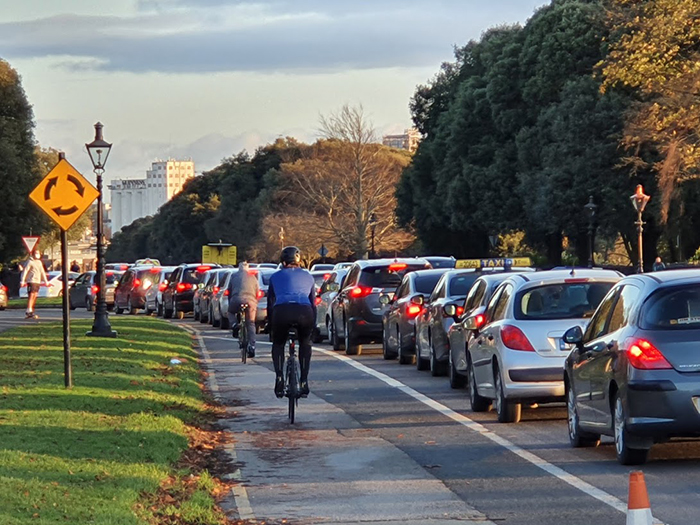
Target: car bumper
{"x": 663, "y": 408}
{"x": 365, "y": 330}
{"x": 528, "y": 375}
{"x": 184, "y": 305}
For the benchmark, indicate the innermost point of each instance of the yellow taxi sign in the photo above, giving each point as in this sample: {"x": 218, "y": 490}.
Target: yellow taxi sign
{"x": 498, "y": 262}
{"x": 64, "y": 194}
{"x": 219, "y": 254}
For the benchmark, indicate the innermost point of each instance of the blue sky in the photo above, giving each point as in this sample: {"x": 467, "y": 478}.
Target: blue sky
{"x": 203, "y": 79}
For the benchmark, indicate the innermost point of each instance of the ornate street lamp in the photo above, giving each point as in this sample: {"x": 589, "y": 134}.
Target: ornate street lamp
{"x": 591, "y": 209}
{"x": 373, "y": 226}
{"x": 639, "y": 201}
{"x": 98, "y": 150}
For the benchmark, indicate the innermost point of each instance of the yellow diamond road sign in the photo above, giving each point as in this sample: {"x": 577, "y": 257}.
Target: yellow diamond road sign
{"x": 64, "y": 194}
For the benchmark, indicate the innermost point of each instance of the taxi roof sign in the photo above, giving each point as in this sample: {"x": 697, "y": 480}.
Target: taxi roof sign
{"x": 497, "y": 262}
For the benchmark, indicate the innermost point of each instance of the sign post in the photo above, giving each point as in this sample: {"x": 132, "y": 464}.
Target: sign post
{"x": 64, "y": 195}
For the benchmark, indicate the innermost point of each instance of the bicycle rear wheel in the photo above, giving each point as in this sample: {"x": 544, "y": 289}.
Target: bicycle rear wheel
{"x": 292, "y": 387}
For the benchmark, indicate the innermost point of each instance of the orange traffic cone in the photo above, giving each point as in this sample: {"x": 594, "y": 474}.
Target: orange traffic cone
{"x": 638, "y": 509}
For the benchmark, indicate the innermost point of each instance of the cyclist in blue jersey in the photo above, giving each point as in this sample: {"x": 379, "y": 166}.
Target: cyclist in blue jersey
{"x": 291, "y": 303}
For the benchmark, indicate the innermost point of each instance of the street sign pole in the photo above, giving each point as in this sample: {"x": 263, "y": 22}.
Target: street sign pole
{"x": 67, "y": 366}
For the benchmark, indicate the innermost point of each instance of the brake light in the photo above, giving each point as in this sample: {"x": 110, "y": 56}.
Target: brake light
{"x": 413, "y": 310}
{"x": 181, "y": 287}
{"x": 396, "y": 267}
{"x": 261, "y": 294}
{"x": 318, "y": 301}
{"x": 577, "y": 280}
{"x": 226, "y": 292}
{"x": 215, "y": 290}
{"x": 162, "y": 286}
{"x": 480, "y": 320}
{"x": 155, "y": 269}
{"x": 360, "y": 291}
{"x": 137, "y": 283}
{"x": 109, "y": 274}
{"x": 202, "y": 269}
{"x": 514, "y": 338}
{"x": 326, "y": 276}
{"x": 95, "y": 289}
{"x": 645, "y": 356}
{"x": 460, "y": 310}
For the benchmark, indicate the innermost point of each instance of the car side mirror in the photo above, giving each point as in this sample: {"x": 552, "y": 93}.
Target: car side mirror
{"x": 573, "y": 336}
{"x": 333, "y": 287}
{"x": 384, "y": 299}
{"x": 418, "y": 299}
{"x": 476, "y": 320}
{"x": 450, "y": 310}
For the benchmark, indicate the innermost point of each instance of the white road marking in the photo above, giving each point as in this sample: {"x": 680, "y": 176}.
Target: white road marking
{"x": 558, "y": 472}
{"x": 239, "y": 492}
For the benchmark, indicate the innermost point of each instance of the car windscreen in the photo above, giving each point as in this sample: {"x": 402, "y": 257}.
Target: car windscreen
{"x": 568, "y": 300}
{"x": 460, "y": 284}
{"x": 426, "y": 283}
{"x": 676, "y": 308}
{"x": 384, "y": 277}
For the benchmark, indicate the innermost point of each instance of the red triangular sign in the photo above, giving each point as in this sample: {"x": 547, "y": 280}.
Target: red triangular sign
{"x": 30, "y": 242}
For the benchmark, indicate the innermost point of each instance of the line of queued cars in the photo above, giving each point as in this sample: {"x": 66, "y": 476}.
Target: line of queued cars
{"x": 621, "y": 352}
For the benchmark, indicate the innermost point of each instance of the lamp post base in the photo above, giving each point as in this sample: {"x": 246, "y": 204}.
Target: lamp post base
{"x": 101, "y": 327}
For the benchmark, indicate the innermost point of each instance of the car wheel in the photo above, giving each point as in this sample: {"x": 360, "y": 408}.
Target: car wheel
{"x": 88, "y": 304}
{"x": 351, "y": 345}
{"x": 117, "y": 310}
{"x": 625, "y": 454}
{"x": 70, "y": 304}
{"x": 196, "y": 314}
{"x": 204, "y": 316}
{"x": 456, "y": 379}
{"x": 508, "y": 412}
{"x": 216, "y": 323}
{"x": 159, "y": 309}
{"x": 167, "y": 312}
{"x": 130, "y": 310}
{"x": 479, "y": 403}
{"x": 403, "y": 358}
{"x": 316, "y": 337}
{"x": 436, "y": 367}
{"x": 577, "y": 437}
{"x": 387, "y": 353}
{"x": 338, "y": 345}
{"x": 225, "y": 324}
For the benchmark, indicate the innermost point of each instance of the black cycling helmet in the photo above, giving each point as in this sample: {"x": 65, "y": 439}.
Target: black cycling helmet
{"x": 290, "y": 255}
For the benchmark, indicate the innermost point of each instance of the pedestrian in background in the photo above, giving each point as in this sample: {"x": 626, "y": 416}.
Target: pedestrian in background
{"x": 658, "y": 265}
{"x": 33, "y": 276}
{"x": 74, "y": 267}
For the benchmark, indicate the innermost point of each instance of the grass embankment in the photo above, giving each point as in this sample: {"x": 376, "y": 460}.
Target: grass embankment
{"x": 104, "y": 452}
{"x": 20, "y": 303}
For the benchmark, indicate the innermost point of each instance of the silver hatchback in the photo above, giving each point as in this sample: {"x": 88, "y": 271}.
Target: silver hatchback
{"x": 517, "y": 352}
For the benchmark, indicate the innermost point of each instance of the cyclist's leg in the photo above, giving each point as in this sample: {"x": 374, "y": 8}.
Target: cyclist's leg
{"x": 280, "y": 326}
{"x": 250, "y": 314}
{"x": 305, "y": 323}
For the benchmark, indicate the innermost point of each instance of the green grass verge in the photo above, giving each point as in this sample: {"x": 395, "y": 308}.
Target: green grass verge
{"x": 90, "y": 454}
{"x": 20, "y": 303}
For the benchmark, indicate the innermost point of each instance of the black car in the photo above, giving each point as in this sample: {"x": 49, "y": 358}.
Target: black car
{"x": 359, "y": 313}
{"x": 178, "y": 296}
{"x": 634, "y": 373}
{"x": 83, "y": 292}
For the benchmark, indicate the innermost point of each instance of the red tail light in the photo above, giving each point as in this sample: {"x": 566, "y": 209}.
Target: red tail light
{"x": 202, "y": 269}
{"x": 326, "y": 276}
{"x": 162, "y": 286}
{"x": 227, "y": 292}
{"x": 318, "y": 301}
{"x": 155, "y": 269}
{"x": 109, "y": 274}
{"x": 413, "y": 310}
{"x": 261, "y": 294}
{"x": 95, "y": 289}
{"x": 181, "y": 287}
{"x": 360, "y": 291}
{"x": 480, "y": 320}
{"x": 396, "y": 267}
{"x": 216, "y": 290}
{"x": 460, "y": 310}
{"x": 4, "y": 288}
{"x": 514, "y": 338}
{"x": 644, "y": 355}
{"x": 137, "y": 283}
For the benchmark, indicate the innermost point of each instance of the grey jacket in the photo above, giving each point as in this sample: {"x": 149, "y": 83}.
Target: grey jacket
{"x": 245, "y": 286}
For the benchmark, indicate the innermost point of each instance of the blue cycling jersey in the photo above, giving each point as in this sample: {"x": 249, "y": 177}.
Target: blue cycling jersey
{"x": 291, "y": 285}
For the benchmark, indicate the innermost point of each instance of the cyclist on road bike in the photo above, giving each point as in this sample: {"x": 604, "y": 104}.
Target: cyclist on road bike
{"x": 291, "y": 303}
{"x": 244, "y": 289}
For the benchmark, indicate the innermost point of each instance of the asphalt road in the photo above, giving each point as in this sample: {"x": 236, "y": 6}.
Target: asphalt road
{"x": 424, "y": 440}
{"x": 12, "y": 318}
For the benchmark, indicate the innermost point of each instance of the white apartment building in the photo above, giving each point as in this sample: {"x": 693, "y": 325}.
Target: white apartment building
{"x": 136, "y": 198}
{"x": 407, "y": 140}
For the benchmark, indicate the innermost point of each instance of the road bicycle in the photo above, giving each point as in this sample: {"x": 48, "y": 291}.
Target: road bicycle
{"x": 292, "y": 389}
{"x": 243, "y": 335}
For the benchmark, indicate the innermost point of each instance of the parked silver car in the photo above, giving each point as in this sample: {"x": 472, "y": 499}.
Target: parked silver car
{"x": 329, "y": 289}
{"x": 154, "y": 295}
{"x": 218, "y": 303}
{"x": 519, "y": 352}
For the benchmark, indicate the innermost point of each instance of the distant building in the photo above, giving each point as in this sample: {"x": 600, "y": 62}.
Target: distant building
{"x": 408, "y": 140}
{"x": 136, "y": 198}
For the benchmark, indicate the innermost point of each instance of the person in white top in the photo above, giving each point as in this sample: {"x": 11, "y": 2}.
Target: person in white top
{"x": 33, "y": 276}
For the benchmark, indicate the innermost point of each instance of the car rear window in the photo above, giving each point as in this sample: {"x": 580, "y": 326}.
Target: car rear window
{"x": 560, "y": 300}
{"x": 192, "y": 276}
{"x": 383, "y": 277}
{"x": 112, "y": 277}
{"x": 148, "y": 275}
{"x": 676, "y": 308}
{"x": 426, "y": 283}
{"x": 460, "y": 285}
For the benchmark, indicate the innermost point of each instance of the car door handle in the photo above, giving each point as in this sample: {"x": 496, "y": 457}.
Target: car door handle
{"x": 490, "y": 338}
{"x": 611, "y": 345}
{"x": 480, "y": 341}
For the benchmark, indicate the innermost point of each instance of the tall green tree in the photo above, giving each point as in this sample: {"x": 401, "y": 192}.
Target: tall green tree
{"x": 18, "y": 165}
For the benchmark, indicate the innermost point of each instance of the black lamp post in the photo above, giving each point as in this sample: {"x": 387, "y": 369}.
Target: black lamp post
{"x": 373, "y": 227}
{"x": 639, "y": 201}
{"x": 591, "y": 209}
{"x": 99, "y": 150}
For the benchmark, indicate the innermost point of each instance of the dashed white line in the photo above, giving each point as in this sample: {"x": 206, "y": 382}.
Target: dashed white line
{"x": 558, "y": 472}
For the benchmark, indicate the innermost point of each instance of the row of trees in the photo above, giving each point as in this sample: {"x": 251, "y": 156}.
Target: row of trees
{"x": 286, "y": 193}
{"x": 529, "y": 121}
